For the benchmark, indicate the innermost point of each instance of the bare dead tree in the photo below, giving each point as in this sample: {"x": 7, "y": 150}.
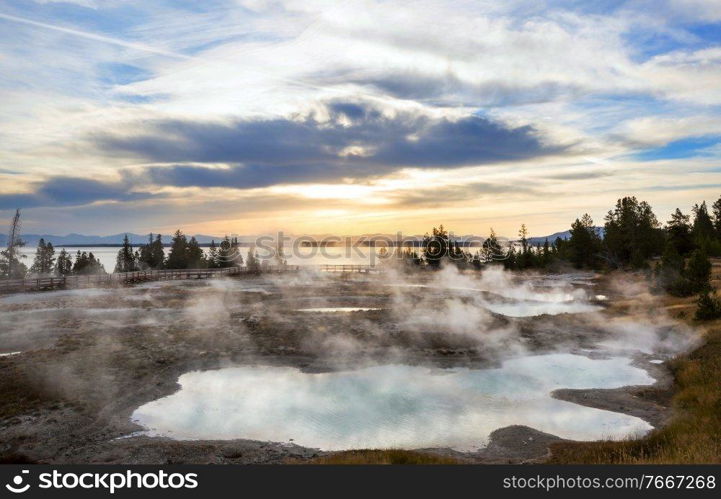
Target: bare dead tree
{"x": 14, "y": 241}
{"x": 10, "y": 265}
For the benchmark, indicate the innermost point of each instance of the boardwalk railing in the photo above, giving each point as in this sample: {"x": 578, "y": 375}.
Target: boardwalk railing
{"x": 349, "y": 268}
{"x": 120, "y": 278}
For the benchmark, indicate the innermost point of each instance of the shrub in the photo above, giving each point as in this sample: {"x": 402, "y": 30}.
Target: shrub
{"x": 708, "y": 308}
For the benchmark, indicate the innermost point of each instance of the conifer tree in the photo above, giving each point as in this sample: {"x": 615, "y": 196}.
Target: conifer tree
{"x": 546, "y": 253}
{"x": 251, "y": 261}
{"x": 152, "y": 254}
{"x": 436, "y": 246}
{"x": 44, "y": 258}
{"x": 157, "y": 253}
{"x": 632, "y": 234}
{"x": 523, "y": 237}
{"x": 678, "y": 230}
{"x": 584, "y": 243}
{"x": 81, "y": 262}
{"x": 126, "y": 261}
{"x": 86, "y": 263}
{"x": 708, "y": 307}
{"x": 282, "y": 262}
{"x": 94, "y": 265}
{"x": 492, "y": 248}
{"x": 456, "y": 254}
{"x": 525, "y": 259}
{"x": 36, "y": 267}
{"x": 178, "y": 256}
{"x": 670, "y": 272}
{"x": 195, "y": 256}
{"x": 476, "y": 261}
{"x": 702, "y": 224}
{"x": 510, "y": 261}
{"x": 698, "y": 271}
{"x": 717, "y": 218}
{"x": 703, "y": 231}
{"x": 63, "y": 264}
{"x": 228, "y": 254}
{"x": 561, "y": 249}
{"x": 145, "y": 258}
{"x": 49, "y": 258}
{"x": 212, "y": 257}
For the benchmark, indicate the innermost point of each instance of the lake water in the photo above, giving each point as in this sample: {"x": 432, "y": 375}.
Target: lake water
{"x": 104, "y": 254}
{"x": 301, "y": 256}
{"x": 393, "y": 405}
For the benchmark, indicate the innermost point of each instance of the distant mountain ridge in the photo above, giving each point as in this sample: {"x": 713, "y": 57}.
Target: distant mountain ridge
{"x": 112, "y": 240}
{"x": 566, "y": 234}
{"x": 136, "y": 239}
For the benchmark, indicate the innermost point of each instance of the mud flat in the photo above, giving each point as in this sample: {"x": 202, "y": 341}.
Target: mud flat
{"x": 647, "y": 402}
{"x": 88, "y": 361}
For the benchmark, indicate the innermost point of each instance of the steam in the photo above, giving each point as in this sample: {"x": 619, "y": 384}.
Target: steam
{"x": 487, "y": 321}
{"x": 449, "y": 308}
{"x": 490, "y": 311}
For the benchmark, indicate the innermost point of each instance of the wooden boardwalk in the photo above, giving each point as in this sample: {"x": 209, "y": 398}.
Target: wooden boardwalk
{"x": 126, "y": 278}
{"x": 350, "y": 269}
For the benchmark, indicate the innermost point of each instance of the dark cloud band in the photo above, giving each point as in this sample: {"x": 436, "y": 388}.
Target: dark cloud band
{"x": 352, "y": 141}
{"x": 356, "y": 141}
{"x": 71, "y": 191}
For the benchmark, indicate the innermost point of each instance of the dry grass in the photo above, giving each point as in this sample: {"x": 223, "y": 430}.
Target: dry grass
{"x": 692, "y": 437}
{"x": 694, "y": 434}
{"x": 390, "y": 456}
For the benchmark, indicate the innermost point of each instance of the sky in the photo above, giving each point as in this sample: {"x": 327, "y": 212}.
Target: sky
{"x": 354, "y": 116}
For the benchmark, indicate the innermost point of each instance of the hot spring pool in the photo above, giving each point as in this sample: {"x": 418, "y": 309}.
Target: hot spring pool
{"x": 335, "y": 310}
{"x": 532, "y": 309}
{"x": 393, "y": 405}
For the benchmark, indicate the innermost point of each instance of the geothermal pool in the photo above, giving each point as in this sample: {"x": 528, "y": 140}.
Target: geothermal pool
{"x": 531, "y": 309}
{"x": 393, "y": 405}
{"x": 331, "y": 310}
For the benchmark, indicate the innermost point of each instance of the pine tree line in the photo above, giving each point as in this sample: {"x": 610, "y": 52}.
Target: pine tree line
{"x": 183, "y": 253}
{"x": 629, "y": 239}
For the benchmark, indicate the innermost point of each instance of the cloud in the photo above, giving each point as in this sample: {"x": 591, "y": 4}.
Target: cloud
{"x": 71, "y": 191}
{"x": 343, "y": 140}
{"x": 91, "y": 4}
{"x": 340, "y": 140}
{"x": 181, "y": 98}
{"x": 688, "y": 76}
{"x": 685, "y": 11}
{"x": 686, "y": 187}
{"x": 448, "y": 194}
{"x": 448, "y": 89}
{"x": 580, "y": 175}
{"x": 650, "y": 131}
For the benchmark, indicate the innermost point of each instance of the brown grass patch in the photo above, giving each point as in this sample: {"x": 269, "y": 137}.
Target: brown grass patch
{"x": 692, "y": 437}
